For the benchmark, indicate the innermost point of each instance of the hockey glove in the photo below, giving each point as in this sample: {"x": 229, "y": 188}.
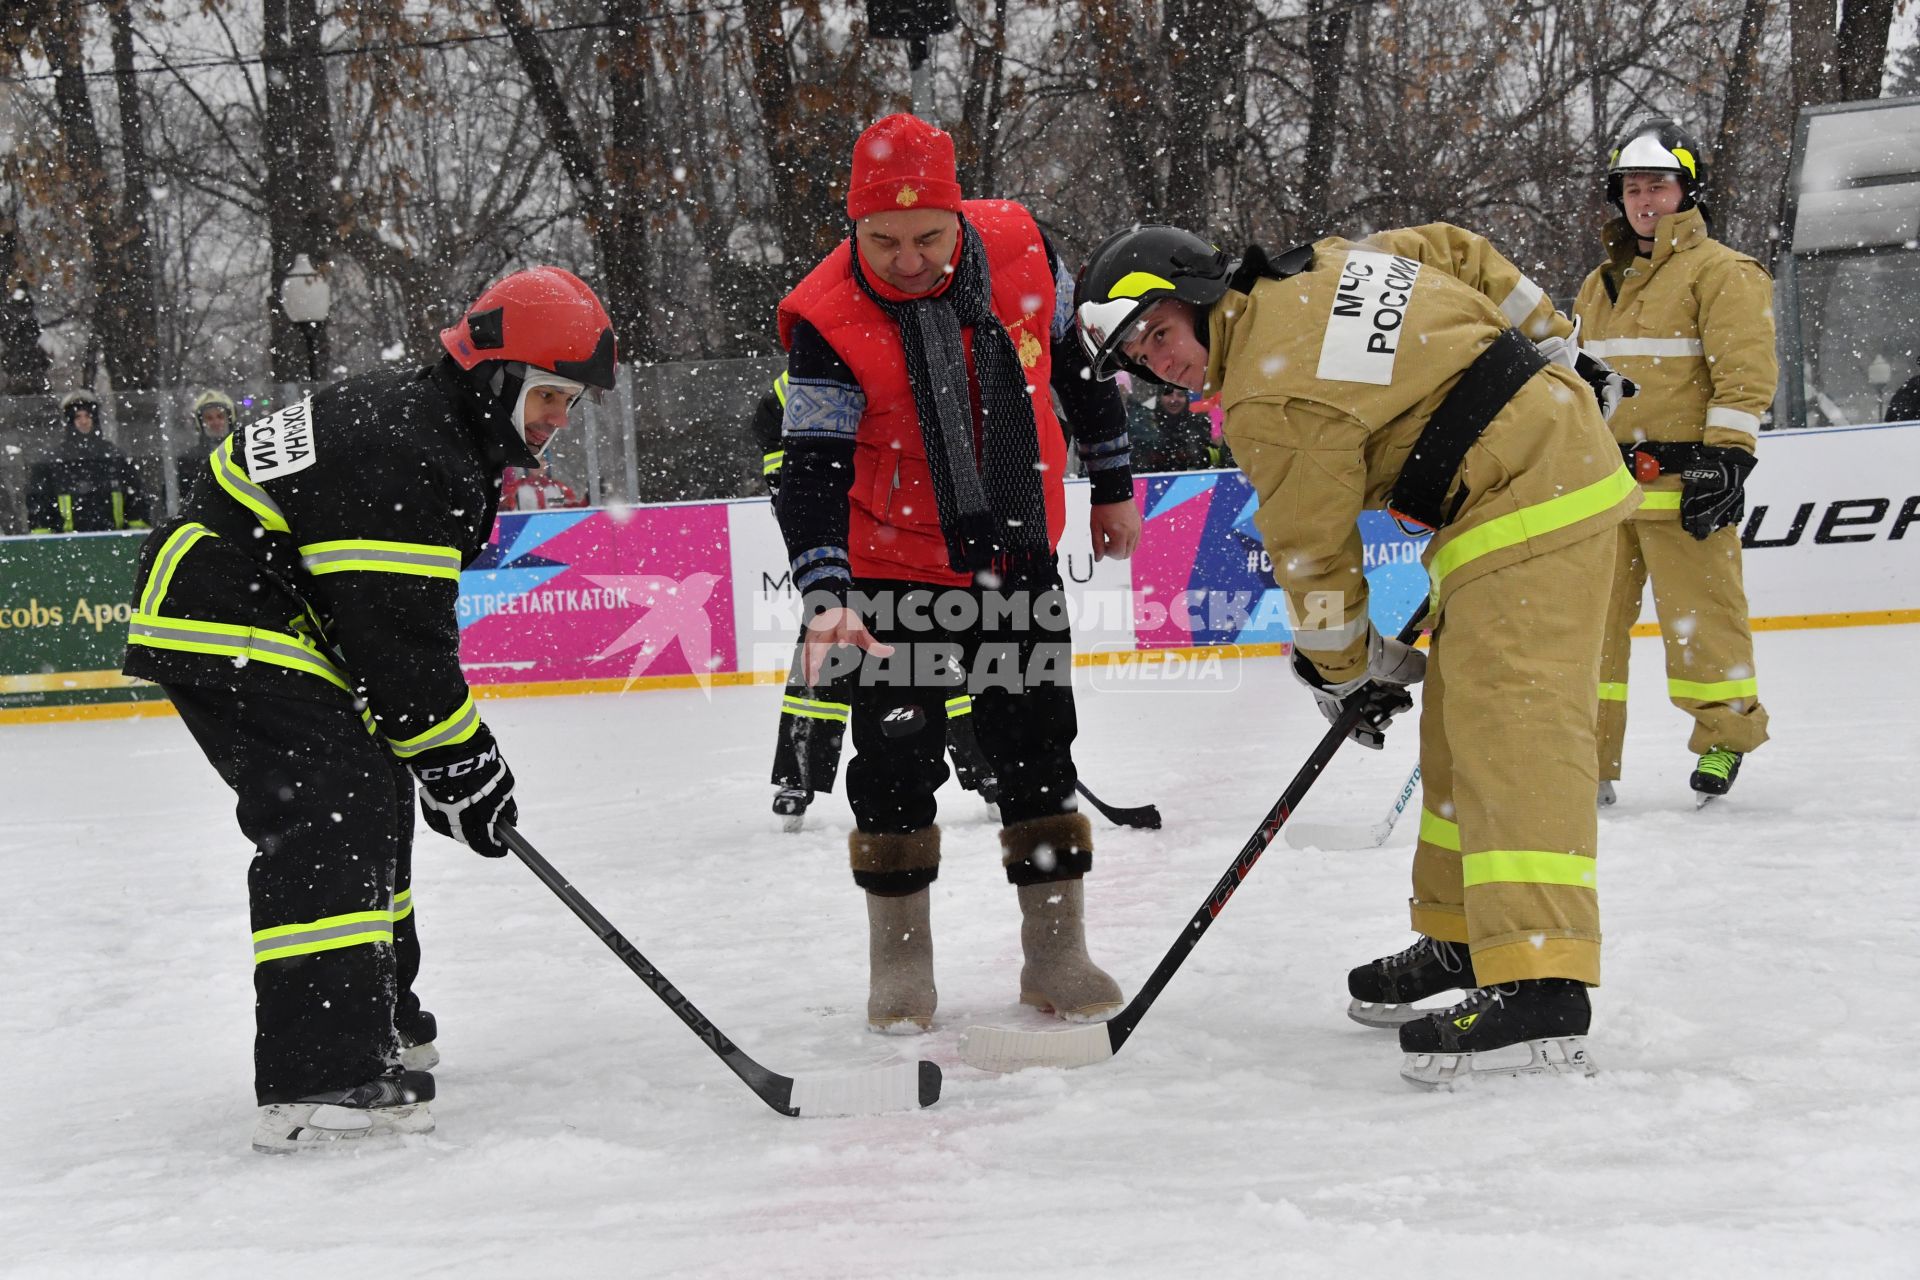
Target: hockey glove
{"x": 1382, "y": 691}
{"x": 1713, "y": 489}
{"x": 466, "y": 791}
{"x": 1609, "y": 386}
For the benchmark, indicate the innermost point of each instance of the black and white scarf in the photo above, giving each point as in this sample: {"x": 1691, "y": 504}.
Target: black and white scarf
{"x": 996, "y": 509}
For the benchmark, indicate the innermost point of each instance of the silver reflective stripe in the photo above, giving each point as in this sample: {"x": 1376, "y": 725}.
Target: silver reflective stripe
{"x": 1734, "y": 419}
{"x": 238, "y": 483}
{"x": 1330, "y": 639}
{"x": 433, "y": 560}
{"x": 305, "y": 938}
{"x": 1520, "y": 303}
{"x": 163, "y": 564}
{"x": 1614, "y": 348}
{"x": 461, "y": 724}
{"x": 251, "y": 645}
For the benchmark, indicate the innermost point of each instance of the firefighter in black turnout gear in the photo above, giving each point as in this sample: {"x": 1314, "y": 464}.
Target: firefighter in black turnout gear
{"x": 87, "y": 485}
{"x": 300, "y": 613}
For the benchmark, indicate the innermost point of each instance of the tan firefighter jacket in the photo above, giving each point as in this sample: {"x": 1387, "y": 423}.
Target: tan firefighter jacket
{"x": 1693, "y": 326}
{"x": 1326, "y": 379}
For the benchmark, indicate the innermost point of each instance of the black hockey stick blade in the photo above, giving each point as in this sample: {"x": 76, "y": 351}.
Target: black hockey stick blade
{"x": 1006, "y": 1049}
{"x": 1146, "y": 816}
{"x": 899, "y": 1087}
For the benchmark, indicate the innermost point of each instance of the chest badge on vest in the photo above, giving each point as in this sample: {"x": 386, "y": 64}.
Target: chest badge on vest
{"x": 1029, "y": 348}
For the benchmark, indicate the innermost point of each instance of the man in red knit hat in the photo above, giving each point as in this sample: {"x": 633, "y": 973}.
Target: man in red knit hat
{"x": 922, "y": 503}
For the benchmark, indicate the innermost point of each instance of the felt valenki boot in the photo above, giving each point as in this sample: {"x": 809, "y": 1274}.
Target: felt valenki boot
{"x": 895, "y": 870}
{"x": 1058, "y": 973}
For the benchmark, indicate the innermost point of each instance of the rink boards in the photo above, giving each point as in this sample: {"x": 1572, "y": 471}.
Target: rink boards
{"x": 675, "y": 595}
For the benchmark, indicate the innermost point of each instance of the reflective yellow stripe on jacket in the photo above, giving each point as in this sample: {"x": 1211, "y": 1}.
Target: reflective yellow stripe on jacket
{"x": 250, "y": 644}
{"x": 1530, "y": 522}
{"x": 241, "y": 488}
{"x": 810, "y": 709}
{"x": 456, "y": 728}
{"x": 368, "y": 555}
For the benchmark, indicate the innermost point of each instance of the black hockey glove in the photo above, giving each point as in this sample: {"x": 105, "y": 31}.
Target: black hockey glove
{"x": 466, "y": 791}
{"x": 1713, "y": 489}
{"x": 1382, "y": 691}
{"x": 1609, "y": 386}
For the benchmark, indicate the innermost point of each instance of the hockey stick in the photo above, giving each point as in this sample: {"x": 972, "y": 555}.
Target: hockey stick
{"x": 1006, "y": 1049}
{"x": 1329, "y": 836}
{"x": 901, "y": 1087}
{"x": 1146, "y": 816}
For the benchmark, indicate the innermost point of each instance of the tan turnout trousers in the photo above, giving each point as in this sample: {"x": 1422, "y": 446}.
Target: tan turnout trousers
{"x": 1701, "y": 602}
{"x": 1506, "y": 856}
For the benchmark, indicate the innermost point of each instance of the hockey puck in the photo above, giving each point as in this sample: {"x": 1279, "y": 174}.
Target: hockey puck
{"x": 901, "y": 721}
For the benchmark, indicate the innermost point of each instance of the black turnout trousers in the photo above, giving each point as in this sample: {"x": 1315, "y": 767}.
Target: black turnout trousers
{"x": 330, "y": 814}
{"x": 1023, "y": 717}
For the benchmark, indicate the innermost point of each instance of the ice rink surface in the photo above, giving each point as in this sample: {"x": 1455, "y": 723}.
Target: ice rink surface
{"x": 1757, "y": 1111}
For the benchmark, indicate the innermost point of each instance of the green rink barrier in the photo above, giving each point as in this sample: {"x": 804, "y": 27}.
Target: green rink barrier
{"x": 64, "y": 605}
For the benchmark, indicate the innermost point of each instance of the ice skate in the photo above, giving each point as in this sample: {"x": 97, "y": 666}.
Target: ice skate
{"x": 417, "y": 1032}
{"x": 1606, "y": 798}
{"x": 1385, "y": 991}
{"x": 790, "y": 804}
{"x": 900, "y": 992}
{"x": 1713, "y": 776}
{"x": 1058, "y": 974}
{"x": 383, "y": 1108}
{"x": 1536, "y": 1027}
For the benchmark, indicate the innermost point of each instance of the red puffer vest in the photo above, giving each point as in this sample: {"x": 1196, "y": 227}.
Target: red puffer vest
{"x": 894, "y": 524}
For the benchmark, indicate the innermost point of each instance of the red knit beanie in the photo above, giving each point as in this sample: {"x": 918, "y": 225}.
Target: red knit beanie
{"x": 902, "y": 162}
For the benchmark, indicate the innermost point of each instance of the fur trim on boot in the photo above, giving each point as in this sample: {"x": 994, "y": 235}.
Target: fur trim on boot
{"x": 1059, "y": 975}
{"x": 1041, "y": 850}
{"x": 894, "y": 864}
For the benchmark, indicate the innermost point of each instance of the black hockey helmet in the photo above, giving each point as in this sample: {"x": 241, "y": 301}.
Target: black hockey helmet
{"x": 1657, "y": 145}
{"x": 1127, "y": 274}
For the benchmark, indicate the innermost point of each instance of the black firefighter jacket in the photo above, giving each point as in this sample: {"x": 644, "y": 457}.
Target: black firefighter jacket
{"x": 321, "y": 558}
{"x": 87, "y": 487}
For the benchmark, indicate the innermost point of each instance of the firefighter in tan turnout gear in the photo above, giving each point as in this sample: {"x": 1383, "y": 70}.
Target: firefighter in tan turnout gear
{"x": 1420, "y": 370}
{"x": 1690, "y": 321}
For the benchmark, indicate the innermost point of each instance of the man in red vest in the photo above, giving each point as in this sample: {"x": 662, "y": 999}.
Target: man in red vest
{"x": 922, "y": 502}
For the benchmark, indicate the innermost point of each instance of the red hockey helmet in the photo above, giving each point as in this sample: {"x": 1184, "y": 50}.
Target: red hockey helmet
{"x": 545, "y": 317}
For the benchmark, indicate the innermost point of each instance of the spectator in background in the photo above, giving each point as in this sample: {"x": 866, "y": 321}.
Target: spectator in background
{"x": 87, "y": 485}
{"x": 535, "y": 489}
{"x": 1905, "y": 405}
{"x": 1166, "y": 434}
{"x": 213, "y": 418}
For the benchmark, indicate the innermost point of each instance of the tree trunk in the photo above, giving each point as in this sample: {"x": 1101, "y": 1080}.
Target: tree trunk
{"x": 978, "y": 134}
{"x": 122, "y": 293}
{"x": 1203, "y": 41}
{"x": 300, "y": 171}
{"x": 624, "y": 231}
{"x": 141, "y": 358}
{"x": 1862, "y": 47}
{"x": 1733, "y": 116}
{"x": 24, "y": 365}
{"x": 1327, "y": 54}
{"x": 1815, "y": 76}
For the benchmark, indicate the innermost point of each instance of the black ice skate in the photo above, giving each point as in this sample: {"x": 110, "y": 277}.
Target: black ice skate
{"x": 1385, "y": 991}
{"x": 417, "y": 1032}
{"x": 1713, "y": 776}
{"x": 385, "y": 1107}
{"x": 1533, "y": 1028}
{"x": 791, "y": 805}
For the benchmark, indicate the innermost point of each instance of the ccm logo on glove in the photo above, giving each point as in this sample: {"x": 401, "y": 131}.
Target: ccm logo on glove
{"x": 466, "y": 792}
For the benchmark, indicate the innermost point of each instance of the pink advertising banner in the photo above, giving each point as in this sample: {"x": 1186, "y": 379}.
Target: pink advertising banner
{"x": 600, "y": 595}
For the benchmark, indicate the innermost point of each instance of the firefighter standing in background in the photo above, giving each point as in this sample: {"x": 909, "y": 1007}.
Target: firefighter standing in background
{"x": 87, "y": 486}
{"x": 300, "y": 614}
{"x": 1691, "y": 321}
{"x": 213, "y": 420}
{"x": 813, "y": 721}
{"x": 1399, "y": 371}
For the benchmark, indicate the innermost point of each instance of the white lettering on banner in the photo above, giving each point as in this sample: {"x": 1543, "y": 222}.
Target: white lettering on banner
{"x": 280, "y": 443}
{"x": 475, "y": 605}
{"x": 1369, "y": 306}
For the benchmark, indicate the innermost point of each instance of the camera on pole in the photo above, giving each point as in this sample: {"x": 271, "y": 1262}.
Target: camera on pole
{"x": 916, "y": 22}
